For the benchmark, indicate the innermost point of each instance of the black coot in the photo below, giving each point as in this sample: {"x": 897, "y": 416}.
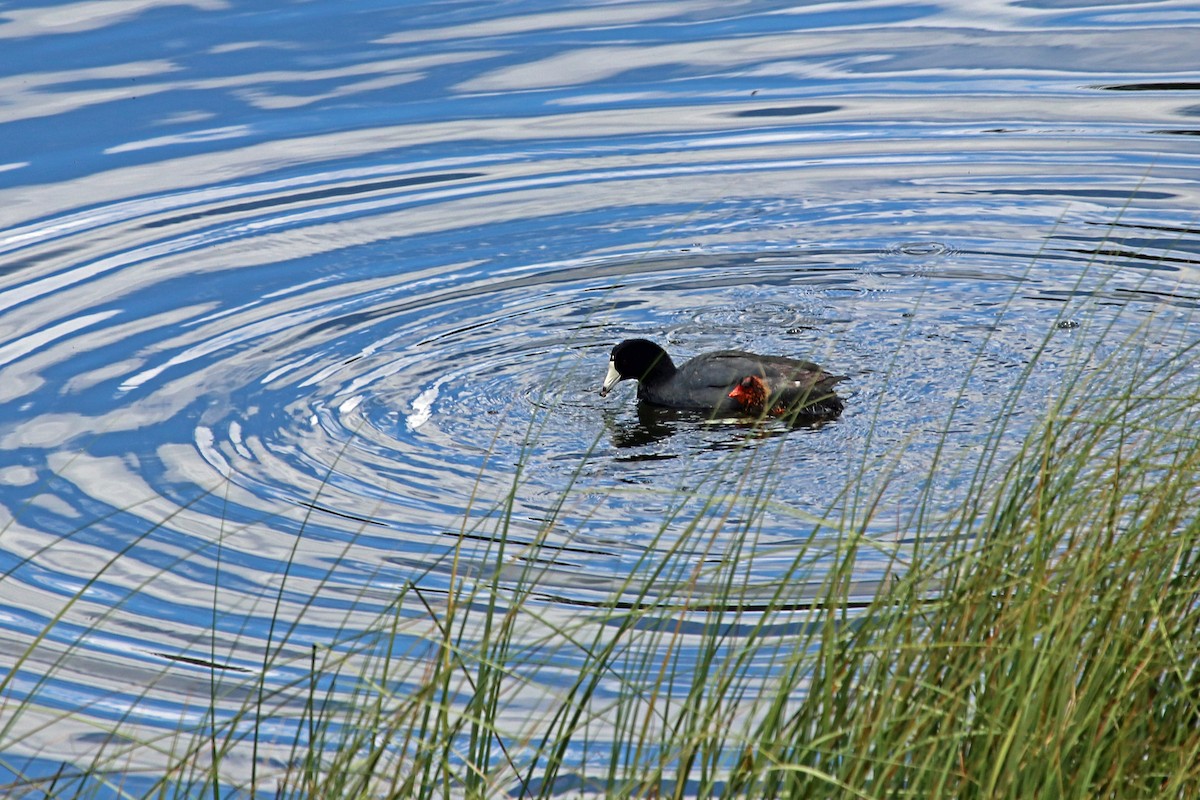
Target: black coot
{"x": 708, "y": 381}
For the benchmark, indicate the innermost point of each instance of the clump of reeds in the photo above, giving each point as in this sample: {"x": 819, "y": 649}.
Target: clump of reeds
{"x": 1040, "y": 643}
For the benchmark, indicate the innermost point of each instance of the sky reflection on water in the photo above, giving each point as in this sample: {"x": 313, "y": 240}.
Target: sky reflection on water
{"x": 289, "y": 294}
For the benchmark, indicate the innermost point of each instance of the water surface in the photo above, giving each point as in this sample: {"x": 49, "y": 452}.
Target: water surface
{"x": 307, "y": 306}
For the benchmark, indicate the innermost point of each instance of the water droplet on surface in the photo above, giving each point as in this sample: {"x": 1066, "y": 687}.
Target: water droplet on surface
{"x": 922, "y": 249}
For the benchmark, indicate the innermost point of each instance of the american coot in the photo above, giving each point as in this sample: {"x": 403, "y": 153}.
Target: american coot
{"x": 711, "y": 382}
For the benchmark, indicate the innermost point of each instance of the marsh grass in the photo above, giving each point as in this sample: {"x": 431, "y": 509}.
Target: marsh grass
{"x": 1039, "y": 642}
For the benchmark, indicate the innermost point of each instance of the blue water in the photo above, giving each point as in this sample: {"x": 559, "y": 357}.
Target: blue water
{"x": 294, "y": 297}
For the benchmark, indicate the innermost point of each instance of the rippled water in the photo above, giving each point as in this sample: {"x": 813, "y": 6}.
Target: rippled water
{"x": 294, "y": 298}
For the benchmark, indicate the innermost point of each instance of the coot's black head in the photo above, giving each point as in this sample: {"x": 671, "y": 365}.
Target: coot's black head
{"x": 640, "y": 359}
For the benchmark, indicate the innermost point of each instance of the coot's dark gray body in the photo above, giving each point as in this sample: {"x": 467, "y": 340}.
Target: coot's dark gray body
{"x": 704, "y": 382}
